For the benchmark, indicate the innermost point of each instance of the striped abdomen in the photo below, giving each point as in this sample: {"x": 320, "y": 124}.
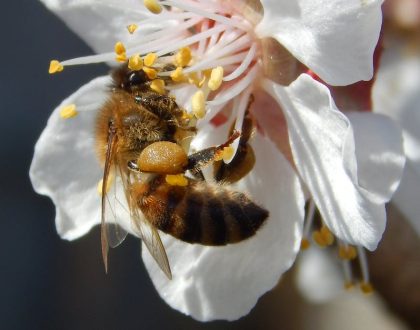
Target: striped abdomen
{"x": 199, "y": 213}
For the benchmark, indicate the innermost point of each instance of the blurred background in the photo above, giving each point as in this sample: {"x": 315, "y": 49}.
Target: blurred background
{"x": 48, "y": 283}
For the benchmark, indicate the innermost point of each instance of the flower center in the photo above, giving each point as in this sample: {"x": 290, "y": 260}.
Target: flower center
{"x": 207, "y": 47}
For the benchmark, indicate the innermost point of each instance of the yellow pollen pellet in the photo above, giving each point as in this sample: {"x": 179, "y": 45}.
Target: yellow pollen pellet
{"x": 348, "y": 285}
{"x": 216, "y": 78}
{"x": 135, "y": 62}
{"x": 158, "y": 85}
{"x": 178, "y": 75}
{"x": 121, "y": 58}
{"x": 119, "y": 48}
{"x": 150, "y": 59}
{"x": 176, "y": 180}
{"x": 304, "y": 244}
{"x": 69, "y": 111}
{"x": 366, "y": 287}
{"x": 153, "y": 6}
{"x": 151, "y": 73}
{"x": 183, "y": 57}
{"x": 347, "y": 252}
{"x": 198, "y": 104}
{"x": 131, "y": 28}
{"x": 108, "y": 184}
{"x": 55, "y": 66}
{"x": 323, "y": 237}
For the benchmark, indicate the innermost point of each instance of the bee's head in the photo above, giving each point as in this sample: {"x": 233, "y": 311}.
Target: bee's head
{"x": 129, "y": 80}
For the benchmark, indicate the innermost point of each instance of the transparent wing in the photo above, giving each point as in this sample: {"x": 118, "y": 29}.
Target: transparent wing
{"x": 112, "y": 209}
{"x": 151, "y": 239}
{"x": 115, "y": 209}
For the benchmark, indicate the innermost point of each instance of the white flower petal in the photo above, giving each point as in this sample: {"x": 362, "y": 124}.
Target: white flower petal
{"x": 335, "y": 38}
{"x": 396, "y": 94}
{"x": 322, "y": 141}
{"x": 65, "y": 167}
{"x": 102, "y": 23}
{"x": 379, "y": 152}
{"x": 225, "y": 282}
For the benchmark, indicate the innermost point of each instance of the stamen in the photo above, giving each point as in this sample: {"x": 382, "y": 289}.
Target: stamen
{"x": 131, "y": 28}
{"x": 176, "y": 180}
{"x": 178, "y": 75}
{"x": 232, "y": 48}
{"x": 323, "y": 237}
{"x": 235, "y": 90}
{"x": 348, "y": 275}
{"x": 69, "y": 111}
{"x": 183, "y": 57}
{"x": 347, "y": 252}
{"x": 215, "y": 17}
{"x": 135, "y": 62}
{"x": 153, "y": 6}
{"x": 191, "y": 40}
{"x": 121, "y": 58}
{"x": 216, "y": 78}
{"x": 244, "y": 65}
{"x": 150, "y": 59}
{"x": 119, "y": 48}
{"x": 151, "y": 73}
{"x": 55, "y": 66}
{"x": 304, "y": 244}
{"x": 365, "y": 285}
{"x": 228, "y": 153}
{"x": 198, "y": 105}
{"x": 158, "y": 85}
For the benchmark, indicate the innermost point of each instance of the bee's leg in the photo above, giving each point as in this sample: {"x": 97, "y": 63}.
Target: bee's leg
{"x": 244, "y": 159}
{"x": 202, "y": 158}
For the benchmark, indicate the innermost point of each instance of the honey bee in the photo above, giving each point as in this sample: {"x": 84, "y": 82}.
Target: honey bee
{"x": 140, "y": 138}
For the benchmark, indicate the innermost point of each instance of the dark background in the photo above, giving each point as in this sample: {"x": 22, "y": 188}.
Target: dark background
{"x": 48, "y": 283}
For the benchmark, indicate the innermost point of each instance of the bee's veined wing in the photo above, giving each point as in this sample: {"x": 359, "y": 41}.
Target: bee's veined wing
{"x": 115, "y": 209}
{"x": 112, "y": 208}
{"x": 151, "y": 239}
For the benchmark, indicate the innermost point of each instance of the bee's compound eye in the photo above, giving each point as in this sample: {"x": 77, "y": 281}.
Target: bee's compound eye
{"x": 137, "y": 78}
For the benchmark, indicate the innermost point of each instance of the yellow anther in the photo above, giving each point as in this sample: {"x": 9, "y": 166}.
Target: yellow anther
{"x": 348, "y": 285}
{"x": 119, "y": 48}
{"x": 216, "y": 78}
{"x": 305, "y": 244}
{"x": 347, "y": 252}
{"x": 55, "y": 66}
{"x": 107, "y": 186}
{"x": 135, "y": 62}
{"x": 69, "y": 111}
{"x": 178, "y": 75}
{"x": 121, "y": 58}
{"x": 150, "y": 59}
{"x": 366, "y": 287}
{"x": 176, "y": 180}
{"x": 151, "y": 73}
{"x": 131, "y": 28}
{"x": 183, "y": 57}
{"x": 158, "y": 85}
{"x": 323, "y": 237}
{"x": 198, "y": 104}
{"x": 228, "y": 153}
{"x": 153, "y": 6}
